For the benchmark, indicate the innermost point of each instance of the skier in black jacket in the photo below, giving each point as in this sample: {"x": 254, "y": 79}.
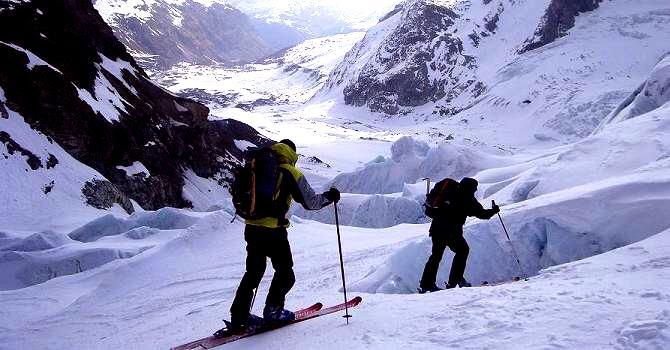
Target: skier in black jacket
{"x": 447, "y": 231}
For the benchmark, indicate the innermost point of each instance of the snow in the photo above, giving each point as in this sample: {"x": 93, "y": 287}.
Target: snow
{"x": 318, "y": 17}
{"x": 205, "y": 194}
{"x": 412, "y": 161}
{"x": 653, "y": 94}
{"x": 116, "y": 68}
{"x": 33, "y": 60}
{"x": 137, "y": 168}
{"x": 106, "y": 99}
{"x": 293, "y": 77}
{"x": 182, "y": 286}
{"x": 25, "y": 207}
{"x": 244, "y": 144}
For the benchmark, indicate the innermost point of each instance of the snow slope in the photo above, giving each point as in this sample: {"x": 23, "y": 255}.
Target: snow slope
{"x": 179, "y": 289}
{"x": 291, "y": 76}
{"x": 41, "y": 183}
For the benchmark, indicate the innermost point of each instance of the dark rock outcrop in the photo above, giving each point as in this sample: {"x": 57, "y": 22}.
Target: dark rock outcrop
{"x": 103, "y": 194}
{"x": 190, "y": 32}
{"x": 558, "y": 19}
{"x": 64, "y": 71}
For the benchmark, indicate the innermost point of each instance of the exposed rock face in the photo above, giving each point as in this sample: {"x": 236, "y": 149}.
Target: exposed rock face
{"x": 559, "y": 18}
{"x": 64, "y": 71}
{"x": 103, "y": 195}
{"x": 161, "y": 33}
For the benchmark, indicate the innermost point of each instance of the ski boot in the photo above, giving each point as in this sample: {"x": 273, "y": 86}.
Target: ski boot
{"x": 235, "y": 326}
{"x": 428, "y": 289}
{"x": 277, "y": 315}
{"x": 462, "y": 284}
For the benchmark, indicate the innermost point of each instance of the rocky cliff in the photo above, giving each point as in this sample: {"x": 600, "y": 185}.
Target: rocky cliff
{"x": 65, "y": 75}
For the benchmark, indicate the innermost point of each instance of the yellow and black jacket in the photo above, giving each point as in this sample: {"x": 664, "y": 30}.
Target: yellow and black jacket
{"x": 292, "y": 185}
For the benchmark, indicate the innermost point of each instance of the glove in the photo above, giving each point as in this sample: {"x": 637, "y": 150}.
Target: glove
{"x": 333, "y": 195}
{"x": 495, "y": 208}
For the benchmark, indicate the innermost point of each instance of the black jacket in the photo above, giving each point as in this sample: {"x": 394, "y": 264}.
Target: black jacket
{"x": 452, "y": 214}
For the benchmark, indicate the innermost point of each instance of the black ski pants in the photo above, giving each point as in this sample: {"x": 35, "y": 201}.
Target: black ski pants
{"x": 458, "y": 245}
{"x": 263, "y": 243}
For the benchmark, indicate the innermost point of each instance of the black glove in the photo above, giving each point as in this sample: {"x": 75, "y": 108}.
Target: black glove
{"x": 495, "y": 208}
{"x": 332, "y": 195}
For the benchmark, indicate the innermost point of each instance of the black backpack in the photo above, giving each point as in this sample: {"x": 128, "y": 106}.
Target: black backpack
{"x": 442, "y": 194}
{"x": 256, "y": 184}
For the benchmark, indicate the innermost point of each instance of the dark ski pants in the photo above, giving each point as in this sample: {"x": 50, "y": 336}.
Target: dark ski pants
{"x": 459, "y": 246}
{"x": 263, "y": 243}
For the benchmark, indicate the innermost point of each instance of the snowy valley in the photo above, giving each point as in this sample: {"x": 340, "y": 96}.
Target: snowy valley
{"x": 117, "y": 229}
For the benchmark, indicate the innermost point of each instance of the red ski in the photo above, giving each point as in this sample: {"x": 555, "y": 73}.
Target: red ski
{"x": 300, "y": 315}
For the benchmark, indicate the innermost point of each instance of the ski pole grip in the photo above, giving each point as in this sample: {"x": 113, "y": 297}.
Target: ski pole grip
{"x": 493, "y": 203}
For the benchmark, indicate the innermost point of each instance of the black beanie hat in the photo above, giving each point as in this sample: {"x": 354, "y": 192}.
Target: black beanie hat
{"x": 289, "y": 143}
{"x": 469, "y": 184}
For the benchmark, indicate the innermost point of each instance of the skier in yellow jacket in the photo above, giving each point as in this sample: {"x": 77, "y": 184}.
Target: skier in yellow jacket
{"x": 267, "y": 237}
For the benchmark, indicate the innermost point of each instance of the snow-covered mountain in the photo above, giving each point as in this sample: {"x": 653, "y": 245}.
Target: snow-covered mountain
{"x": 160, "y": 33}
{"x": 317, "y": 18}
{"x": 290, "y": 76}
{"x": 83, "y": 128}
{"x": 560, "y": 66}
{"x": 630, "y": 143}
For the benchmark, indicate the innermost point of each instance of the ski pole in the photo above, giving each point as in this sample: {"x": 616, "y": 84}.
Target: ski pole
{"x": 516, "y": 256}
{"x": 339, "y": 246}
{"x": 427, "y": 179}
{"x": 253, "y": 300}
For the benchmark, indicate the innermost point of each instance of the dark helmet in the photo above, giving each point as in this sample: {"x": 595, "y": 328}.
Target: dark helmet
{"x": 469, "y": 185}
{"x": 288, "y": 143}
